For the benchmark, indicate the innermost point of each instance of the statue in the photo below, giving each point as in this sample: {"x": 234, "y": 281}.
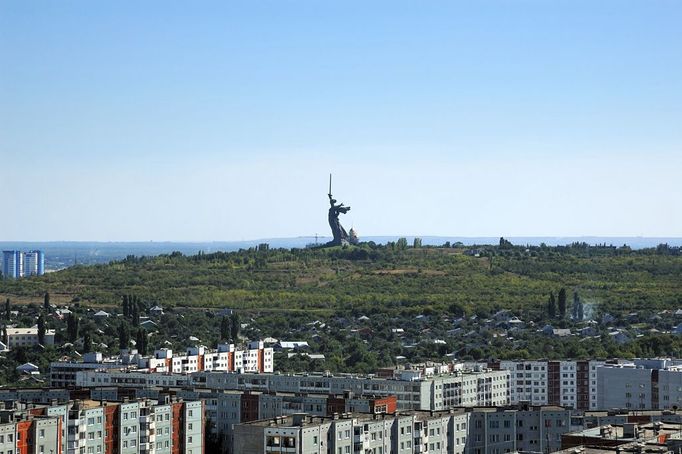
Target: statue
{"x": 339, "y": 233}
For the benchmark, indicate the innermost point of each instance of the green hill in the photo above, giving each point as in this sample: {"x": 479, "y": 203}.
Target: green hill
{"x": 375, "y": 278}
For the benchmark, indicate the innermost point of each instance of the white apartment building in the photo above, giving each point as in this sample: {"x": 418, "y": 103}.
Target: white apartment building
{"x": 27, "y": 337}
{"x": 227, "y": 358}
{"x": 571, "y": 384}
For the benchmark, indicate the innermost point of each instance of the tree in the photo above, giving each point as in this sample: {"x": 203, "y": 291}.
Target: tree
{"x": 235, "y": 326}
{"x": 141, "y": 341}
{"x": 417, "y": 243}
{"x": 46, "y": 301}
{"x": 125, "y": 306}
{"x": 123, "y": 336}
{"x": 135, "y": 315}
{"x": 41, "y": 330}
{"x": 577, "y": 307}
{"x": 562, "y": 303}
{"x": 87, "y": 342}
{"x": 401, "y": 244}
{"x": 225, "y": 329}
{"x": 551, "y": 306}
{"x": 8, "y": 311}
{"x": 72, "y": 327}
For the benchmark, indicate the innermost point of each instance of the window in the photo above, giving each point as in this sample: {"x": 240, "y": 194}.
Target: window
{"x": 42, "y": 433}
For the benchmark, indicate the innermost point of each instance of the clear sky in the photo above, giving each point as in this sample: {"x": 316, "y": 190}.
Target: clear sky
{"x": 222, "y": 120}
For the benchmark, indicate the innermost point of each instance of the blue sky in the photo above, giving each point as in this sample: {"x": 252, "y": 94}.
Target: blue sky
{"x": 221, "y": 120}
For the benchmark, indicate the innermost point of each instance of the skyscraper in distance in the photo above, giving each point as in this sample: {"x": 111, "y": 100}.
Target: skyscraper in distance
{"x": 16, "y": 264}
{"x": 34, "y": 263}
{"x": 12, "y": 264}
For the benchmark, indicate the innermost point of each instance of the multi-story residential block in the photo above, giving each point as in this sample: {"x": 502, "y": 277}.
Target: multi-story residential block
{"x": 23, "y": 432}
{"x": 642, "y": 385}
{"x": 566, "y": 383}
{"x": 27, "y": 337}
{"x": 34, "y": 263}
{"x": 255, "y": 358}
{"x": 16, "y": 264}
{"x": 460, "y": 388}
{"x": 12, "y": 264}
{"x": 462, "y": 430}
{"x": 163, "y": 426}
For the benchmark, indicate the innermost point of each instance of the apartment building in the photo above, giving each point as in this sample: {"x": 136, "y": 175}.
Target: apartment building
{"x": 227, "y": 358}
{"x": 24, "y": 433}
{"x": 462, "y": 430}
{"x": 566, "y": 383}
{"x": 438, "y": 392}
{"x": 27, "y": 337}
{"x": 164, "y": 426}
{"x": 17, "y": 264}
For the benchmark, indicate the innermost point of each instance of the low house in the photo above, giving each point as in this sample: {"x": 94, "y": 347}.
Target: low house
{"x": 148, "y": 324}
{"x": 588, "y": 331}
{"x": 101, "y": 315}
{"x": 29, "y": 368}
{"x": 61, "y": 314}
{"x": 561, "y": 332}
{"x": 619, "y": 337}
{"x": 156, "y": 311}
{"x": 291, "y": 345}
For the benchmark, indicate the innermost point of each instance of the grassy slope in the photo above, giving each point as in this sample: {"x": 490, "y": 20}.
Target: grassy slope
{"x": 400, "y": 281}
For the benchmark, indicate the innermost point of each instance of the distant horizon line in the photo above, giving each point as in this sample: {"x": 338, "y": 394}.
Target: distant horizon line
{"x": 364, "y": 238}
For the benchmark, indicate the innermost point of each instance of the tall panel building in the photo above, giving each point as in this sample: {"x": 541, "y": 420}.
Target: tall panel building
{"x": 16, "y": 264}
{"x": 34, "y": 263}
{"x": 12, "y": 264}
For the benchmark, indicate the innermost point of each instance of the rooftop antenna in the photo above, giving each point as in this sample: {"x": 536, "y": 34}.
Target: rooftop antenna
{"x": 330, "y": 185}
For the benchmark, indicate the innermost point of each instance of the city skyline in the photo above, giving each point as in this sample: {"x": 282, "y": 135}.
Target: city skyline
{"x": 171, "y": 122}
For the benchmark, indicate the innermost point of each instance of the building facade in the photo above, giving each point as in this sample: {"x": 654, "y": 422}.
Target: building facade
{"x": 164, "y": 426}
{"x": 438, "y": 392}
{"x": 12, "y": 264}
{"x": 567, "y": 383}
{"x": 17, "y": 264}
{"x": 27, "y": 337}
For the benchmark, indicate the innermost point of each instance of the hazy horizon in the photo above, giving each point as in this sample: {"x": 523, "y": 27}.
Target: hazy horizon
{"x": 169, "y": 121}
